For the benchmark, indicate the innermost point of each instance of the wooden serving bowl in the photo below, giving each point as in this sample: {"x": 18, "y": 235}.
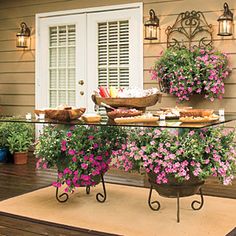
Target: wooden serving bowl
{"x": 138, "y": 103}
{"x": 64, "y": 115}
{"x": 37, "y": 112}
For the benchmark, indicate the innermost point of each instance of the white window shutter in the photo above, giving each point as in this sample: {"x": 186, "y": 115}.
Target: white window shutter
{"x": 113, "y": 53}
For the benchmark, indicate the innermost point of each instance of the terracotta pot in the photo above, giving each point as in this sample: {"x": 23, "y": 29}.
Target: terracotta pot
{"x": 20, "y": 158}
{"x": 185, "y": 188}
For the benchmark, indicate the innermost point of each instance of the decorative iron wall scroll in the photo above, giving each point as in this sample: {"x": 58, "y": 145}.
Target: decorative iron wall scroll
{"x": 190, "y": 29}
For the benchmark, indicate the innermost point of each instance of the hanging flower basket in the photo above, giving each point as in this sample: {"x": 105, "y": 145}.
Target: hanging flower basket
{"x": 183, "y": 72}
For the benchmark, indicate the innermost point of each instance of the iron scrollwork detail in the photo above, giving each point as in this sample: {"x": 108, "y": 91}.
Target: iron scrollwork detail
{"x": 190, "y": 29}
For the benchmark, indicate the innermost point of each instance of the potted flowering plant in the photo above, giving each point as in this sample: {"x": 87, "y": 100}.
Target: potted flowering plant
{"x": 188, "y": 156}
{"x": 81, "y": 153}
{"x": 183, "y": 72}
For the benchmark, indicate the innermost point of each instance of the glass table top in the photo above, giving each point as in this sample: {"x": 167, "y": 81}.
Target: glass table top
{"x": 163, "y": 123}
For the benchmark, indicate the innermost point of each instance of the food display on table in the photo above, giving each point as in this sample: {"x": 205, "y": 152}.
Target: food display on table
{"x": 145, "y": 118}
{"x": 62, "y": 113}
{"x": 91, "y": 118}
{"x": 198, "y": 116}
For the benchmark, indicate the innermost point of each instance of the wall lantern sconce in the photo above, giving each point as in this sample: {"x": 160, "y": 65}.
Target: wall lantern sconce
{"x": 226, "y": 22}
{"x": 151, "y": 26}
{"x": 22, "y": 37}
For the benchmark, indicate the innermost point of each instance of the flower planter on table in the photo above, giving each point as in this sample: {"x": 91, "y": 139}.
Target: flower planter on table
{"x": 174, "y": 189}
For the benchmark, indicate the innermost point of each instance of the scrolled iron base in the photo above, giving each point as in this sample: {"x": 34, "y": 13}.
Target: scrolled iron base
{"x": 87, "y": 189}
{"x": 101, "y": 197}
{"x": 150, "y": 203}
{"x": 62, "y": 197}
{"x": 198, "y": 202}
{"x": 193, "y": 205}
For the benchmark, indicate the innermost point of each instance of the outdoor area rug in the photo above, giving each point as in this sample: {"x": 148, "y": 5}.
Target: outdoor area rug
{"x": 126, "y": 212}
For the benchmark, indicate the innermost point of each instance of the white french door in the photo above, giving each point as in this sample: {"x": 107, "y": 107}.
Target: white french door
{"x": 79, "y": 51}
{"x": 61, "y": 61}
{"x": 114, "y": 49}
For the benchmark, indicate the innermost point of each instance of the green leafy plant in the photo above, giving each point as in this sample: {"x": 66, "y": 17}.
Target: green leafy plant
{"x": 19, "y": 142}
{"x": 20, "y": 136}
{"x": 4, "y": 132}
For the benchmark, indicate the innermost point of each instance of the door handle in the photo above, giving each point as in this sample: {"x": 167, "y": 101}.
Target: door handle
{"x": 81, "y": 82}
{"x": 81, "y": 93}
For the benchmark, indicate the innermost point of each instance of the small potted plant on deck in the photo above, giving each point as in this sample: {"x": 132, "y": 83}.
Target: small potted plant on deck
{"x": 19, "y": 140}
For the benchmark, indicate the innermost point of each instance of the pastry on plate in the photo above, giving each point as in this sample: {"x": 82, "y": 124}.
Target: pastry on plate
{"x": 199, "y": 119}
{"x": 137, "y": 119}
{"x": 118, "y": 113}
{"x": 196, "y": 113}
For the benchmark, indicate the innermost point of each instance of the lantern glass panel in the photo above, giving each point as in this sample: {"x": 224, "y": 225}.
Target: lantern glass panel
{"x": 151, "y": 32}
{"x": 225, "y": 28}
{"x": 22, "y": 41}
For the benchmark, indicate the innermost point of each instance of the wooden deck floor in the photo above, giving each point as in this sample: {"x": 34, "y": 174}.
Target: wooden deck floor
{"x": 19, "y": 179}
{"x": 12, "y": 225}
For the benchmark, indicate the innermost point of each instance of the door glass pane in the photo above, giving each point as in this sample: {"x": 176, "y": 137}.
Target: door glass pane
{"x": 71, "y": 78}
{"x": 62, "y": 57}
{"x": 53, "y": 57}
{"x": 71, "y": 35}
{"x": 62, "y": 97}
{"x": 53, "y": 79}
{"x": 53, "y": 98}
{"x": 62, "y": 35}
{"x": 71, "y": 57}
{"x": 62, "y": 79}
{"x": 71, "y": 98}
{"x": 53, "y": 36}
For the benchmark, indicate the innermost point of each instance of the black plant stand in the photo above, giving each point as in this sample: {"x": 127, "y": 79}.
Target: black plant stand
{"x": 61, "y": 197}
{"x": 177, "y": 190}
{"x": 101, "y": 197}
